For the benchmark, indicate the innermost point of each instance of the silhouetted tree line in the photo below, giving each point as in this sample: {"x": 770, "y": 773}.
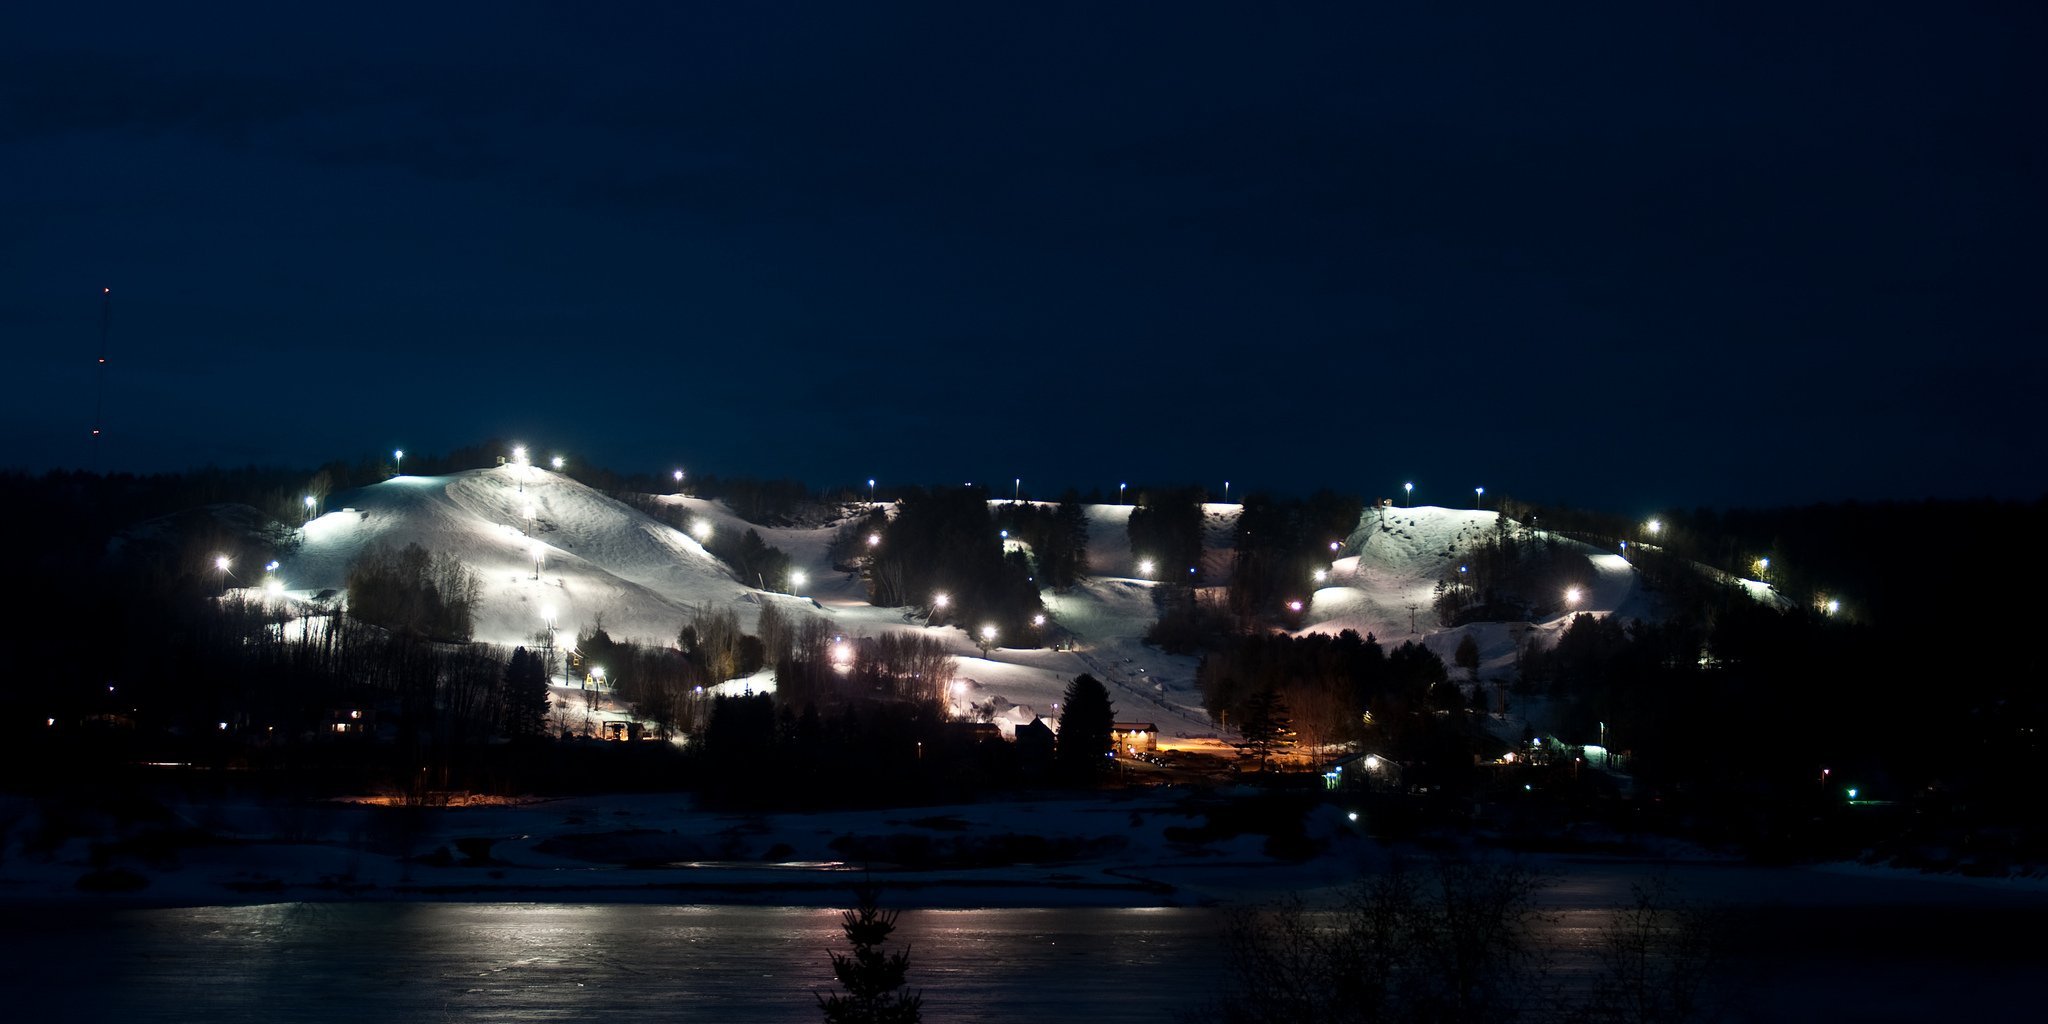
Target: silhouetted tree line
{"x": 1516, "y": 574}
{"x": 1057, "y": 536}
{"x": 1166, "y": 527}
{"x": 761, "y": 752}
{"x": 1342, "y": 690}
{"x": 823, "y": 668}
{"x": 663, "y": 685}
{"x": 414, "y": 591}
{"x": 945, "y": 541}
{"x": 851, "y": 547}
{"x": 1734, "y": 719}
{"x": 1281, "y": 542}
{"x": 1890, "y": 563}
{"x": 753, "y": 561}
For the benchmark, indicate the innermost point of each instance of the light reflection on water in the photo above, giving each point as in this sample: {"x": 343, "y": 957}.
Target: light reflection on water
{"x": 1810, "y": 944}
{"x": 538, "y": 962}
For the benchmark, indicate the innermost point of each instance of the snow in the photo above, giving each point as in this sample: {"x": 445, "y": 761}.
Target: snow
{"x": 606, "y": 561}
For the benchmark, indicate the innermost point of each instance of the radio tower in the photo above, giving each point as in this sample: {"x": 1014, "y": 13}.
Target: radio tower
{"x": 99, "y": 410}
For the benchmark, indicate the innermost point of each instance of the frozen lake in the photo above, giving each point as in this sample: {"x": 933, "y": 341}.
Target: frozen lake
{"x": 1810, "y": 944}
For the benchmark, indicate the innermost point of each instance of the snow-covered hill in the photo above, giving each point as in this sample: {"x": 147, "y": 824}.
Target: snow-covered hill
{"x": 600, "y": 560}
{"x": 1384, "y": 583}
{"x": 597, "y": 559}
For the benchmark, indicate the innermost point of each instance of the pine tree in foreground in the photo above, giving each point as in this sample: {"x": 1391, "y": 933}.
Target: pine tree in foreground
{"x": 872, "y": 978}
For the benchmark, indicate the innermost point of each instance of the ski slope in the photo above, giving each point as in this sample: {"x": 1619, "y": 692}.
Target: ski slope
{"x": 604, "y": 561}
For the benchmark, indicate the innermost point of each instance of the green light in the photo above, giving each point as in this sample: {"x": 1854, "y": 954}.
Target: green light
{"x": 1852, "y": 794}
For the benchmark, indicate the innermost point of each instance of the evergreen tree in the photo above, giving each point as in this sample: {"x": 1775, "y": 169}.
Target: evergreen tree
{"x": 1467, "y": 656}
{"x": 1086, "y": 717}
{"x": 1264, "y": 728}
{"x": 526, "y": 694}
{"x": 872, "y": 978}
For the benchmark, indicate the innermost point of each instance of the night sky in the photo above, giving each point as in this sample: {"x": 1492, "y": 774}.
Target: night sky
{"x": 1634, "y": 258}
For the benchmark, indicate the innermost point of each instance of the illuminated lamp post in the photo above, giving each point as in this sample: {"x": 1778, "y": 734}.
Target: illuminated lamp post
{"x": 1411, "y": 494}
{"x": 939, "y": 602}
{"x": 398, "y": 462}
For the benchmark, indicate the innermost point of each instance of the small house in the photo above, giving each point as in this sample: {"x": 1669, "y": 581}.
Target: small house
{"x": 1129, "y": 739}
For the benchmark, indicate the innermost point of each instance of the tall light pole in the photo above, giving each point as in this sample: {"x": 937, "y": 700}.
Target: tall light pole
{"x": 871, "y": 490}
{"x": 1478, "y": 497}
{"x": 1017, "y": 489}
{"x": 679, "y": 481}
{"x": 310, "y": 506}
{"x": 938, "y": 605}
{"x": 222, "y": 562}
{"x": 398, "y": 462}
{"x": 1411, "y": 494}
{"x": 1120, "y": 493}
{"x": 797, "y": 579}
{"x": 539, "y": 553}
{"x": 1226, "y": 492}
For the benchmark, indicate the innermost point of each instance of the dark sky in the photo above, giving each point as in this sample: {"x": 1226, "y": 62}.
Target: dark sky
{"x": 1635, "y": 257}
